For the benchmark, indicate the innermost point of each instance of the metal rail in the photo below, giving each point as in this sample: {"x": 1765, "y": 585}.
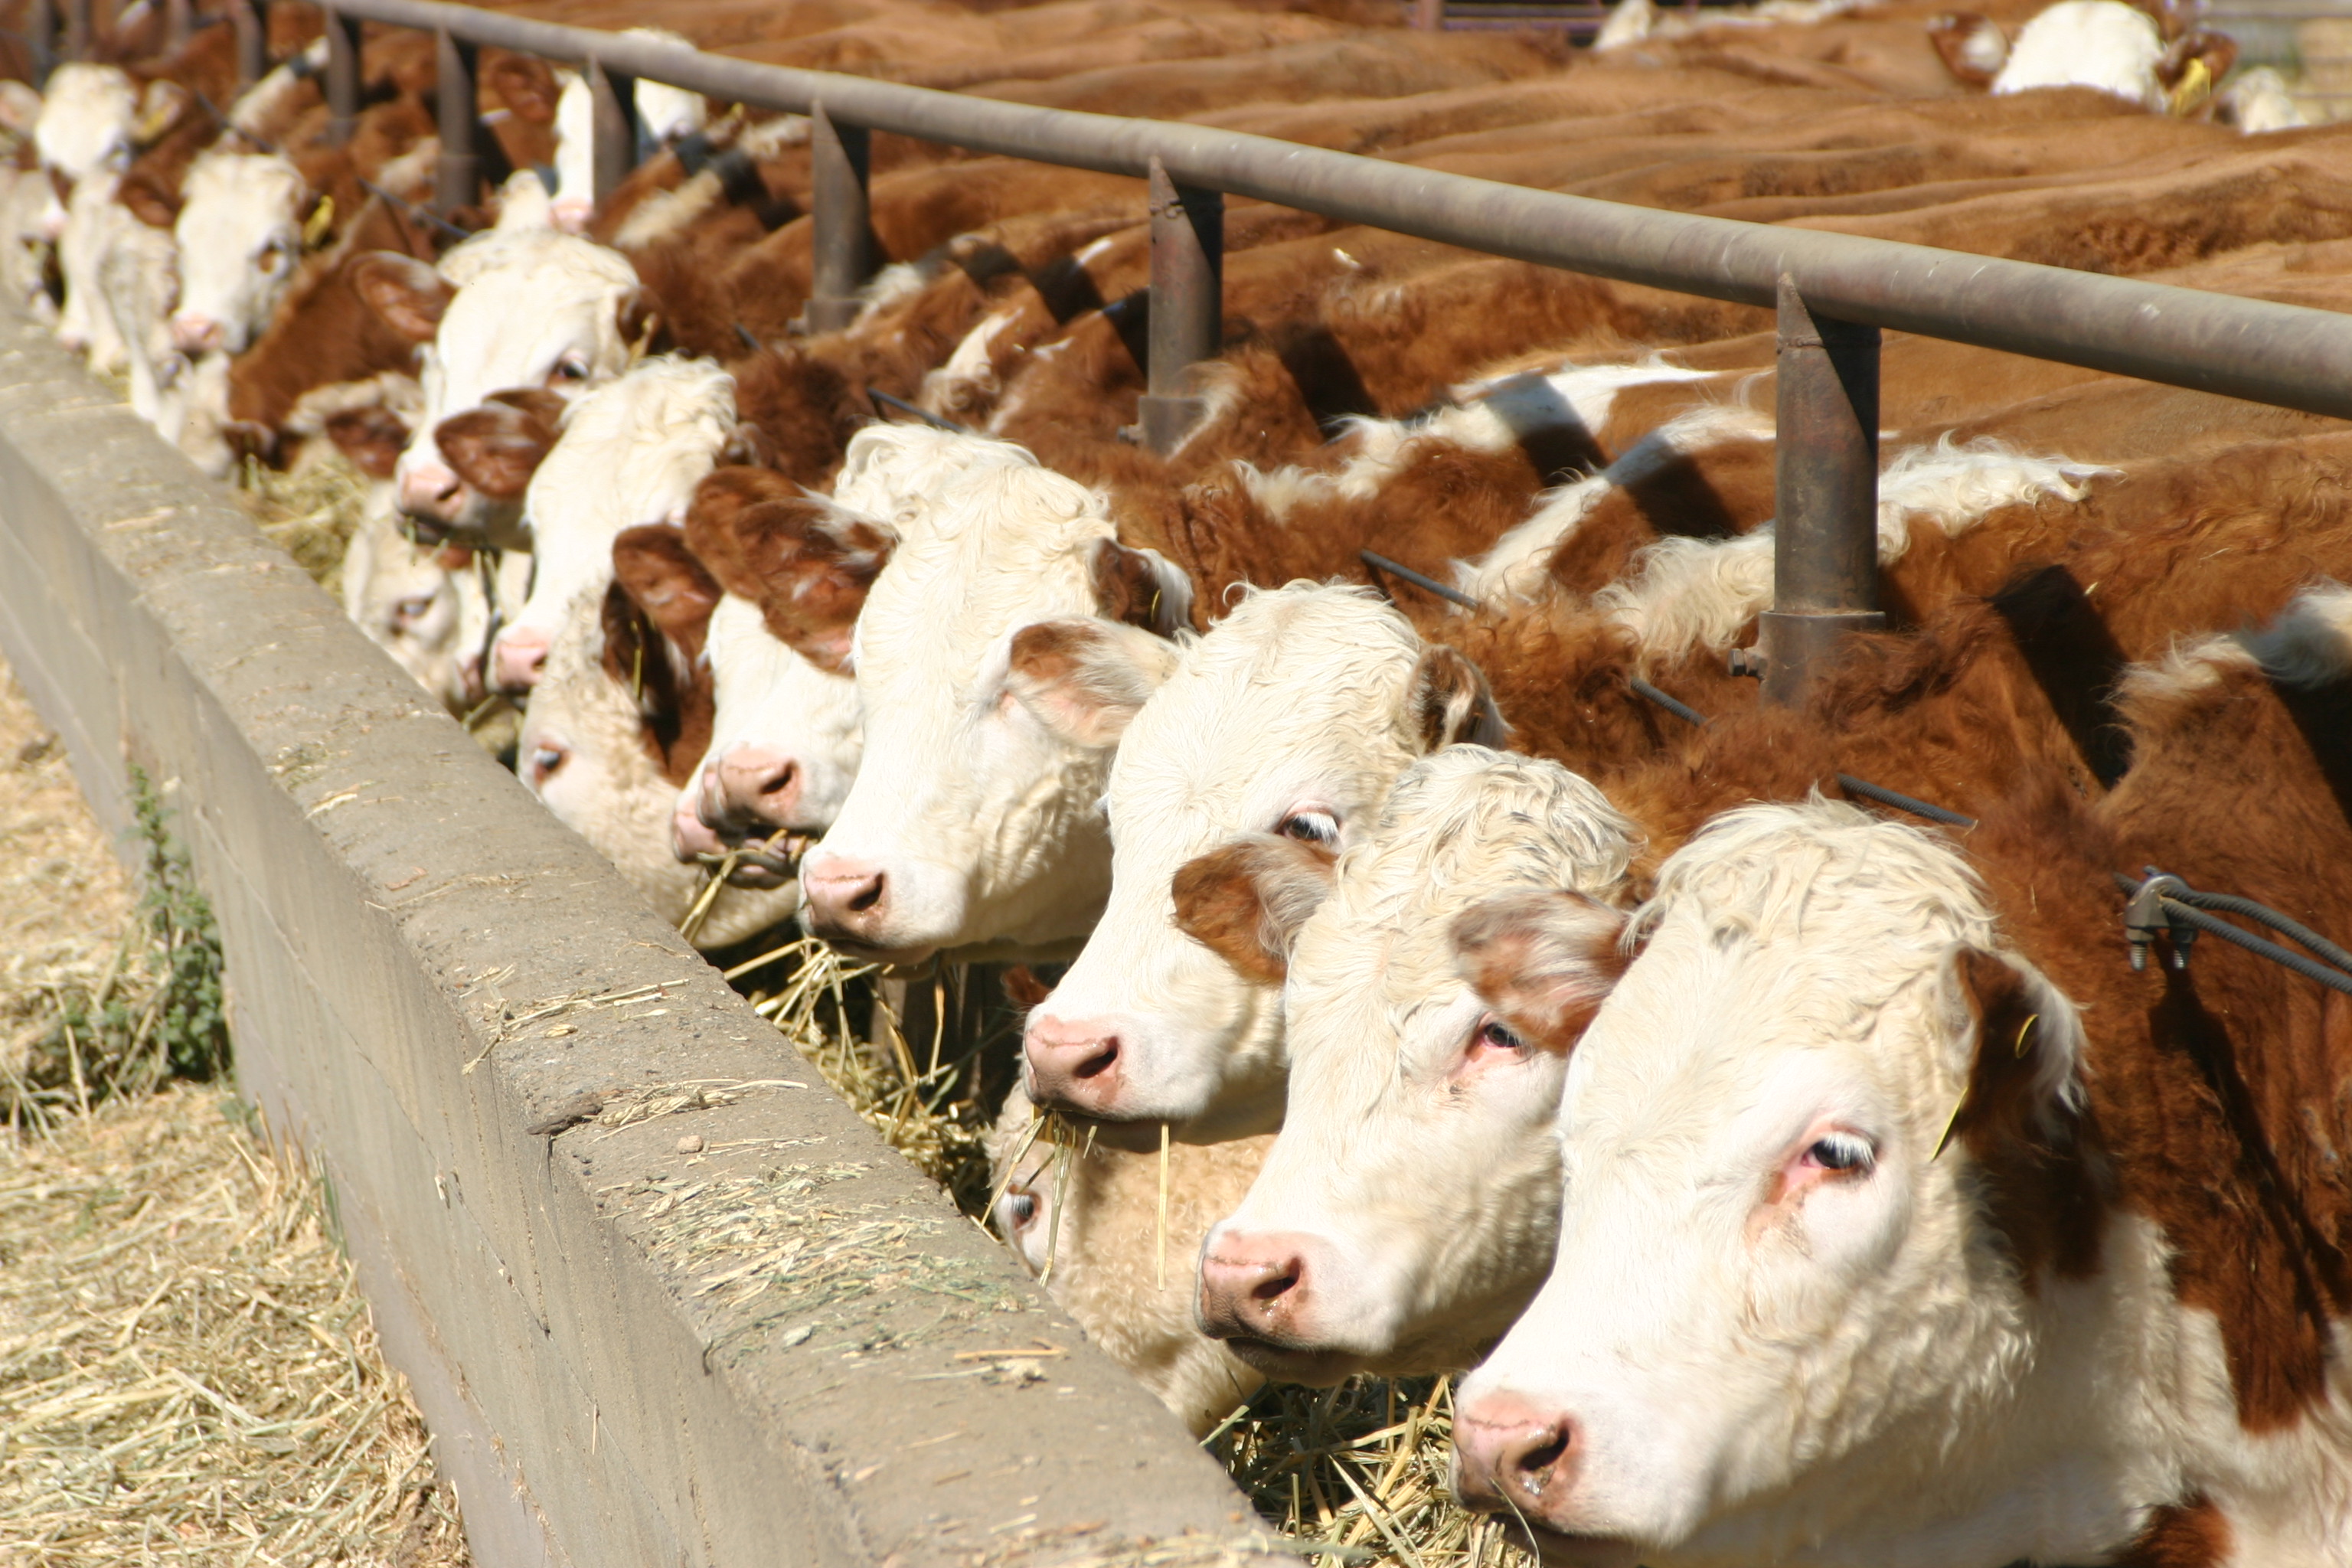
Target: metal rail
{"x": 1830, "y": 290}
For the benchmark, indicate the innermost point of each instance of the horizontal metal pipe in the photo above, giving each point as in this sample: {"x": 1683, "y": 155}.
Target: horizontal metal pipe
{"x": 2285, "y": 354}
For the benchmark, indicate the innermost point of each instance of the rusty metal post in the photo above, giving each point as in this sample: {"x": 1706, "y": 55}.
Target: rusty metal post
{"x": 78, "y": 34}
{"x": 839, "y": 158}
{"x": 1188, "y": 304}
{"x": 250, "y": 18}
{"x": 614, "y": 96}
{"x": 179, "y": 24}
{"x": 344, "y": 80}
{"x": 1825, "y": 544}
{"x": 459, "y": 175}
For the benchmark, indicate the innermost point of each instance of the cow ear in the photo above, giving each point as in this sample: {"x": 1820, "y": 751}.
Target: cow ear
{"x": 719, "y": 501}
{"x": 159, "y": 107}
{"x": 20, "y": 105}
{"x": 525, "y": 85}
{"x": 148, "y": 199}
{"x": 407, "y": 293}
{"x": 1545, "y": 960}
{"x": 655, "y": 569}
{"x": 1245, "y": 902}
{"x": 2025, "y": 1084}
{"x": 1084, "y": 678}
{"x": 2193, "y": 67}
{"x": 1972, "y": 46}
{"x": 1141, "y": 587}
{"x": 496, "y": 448}
{"x": 370, "y": 438}
{"x": 642, "y": 322}
{"x": 810, "y": 564}
{"x": 1451, "y": 704}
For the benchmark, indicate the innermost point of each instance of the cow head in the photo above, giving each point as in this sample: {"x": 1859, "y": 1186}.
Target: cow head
{"x": 88, "y": 120}
{"x": 994, "y": 681}
{"x": 1408, "y": 1209}
{"x": 630, "y": 452}
{"x": 528, "y": 308}
{"x": 240, "y": 233}
{"x": 1289, "y": 720}
{"x": 787, "y": 739}
{"x": 1775, "y": 1283}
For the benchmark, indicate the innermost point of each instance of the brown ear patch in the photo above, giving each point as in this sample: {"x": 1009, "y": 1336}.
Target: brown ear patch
{"x": 673, "y": 693}
{"x": 1450, "y": 701}
{"x": 719, "y": 501}
{"x": 809, "y": 564}
{"x": 1245, "y": 901}
{"x": 653, "y": 566}
{"x": 1544, "y": 959}
{"x": 1022, "y": 988}
{"x": 497, "y": 447}
{"x": 149, "y": 199}
{"x": 372, "y": 437}
{"x": 1128, "y": 587}
{"x": 2041, "y": 1191}
{"x": 409, "y": 295}
{"x": 1083, "y": 678}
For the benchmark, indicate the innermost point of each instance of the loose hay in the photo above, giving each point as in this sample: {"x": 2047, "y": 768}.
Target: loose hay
{"x": 1356, "y": 1474}
{"x": 187, "y": 1374}
{"x": 311, "y": 512}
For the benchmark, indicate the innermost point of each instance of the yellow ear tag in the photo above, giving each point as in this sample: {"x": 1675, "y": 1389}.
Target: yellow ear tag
{"x": 2023, "y": 1030}
{"x": 1949, "y": 1122}
{"x": 315, "y": 227}
{"x": 2196, "y": 86}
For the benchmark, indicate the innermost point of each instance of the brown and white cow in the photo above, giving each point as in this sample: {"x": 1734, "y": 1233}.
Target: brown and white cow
{"x": 1286, "y": 724}
{"x": 1407, "y": 1209}
{"x": 998, "y": 656}
{"x": 1905, "y": 1221}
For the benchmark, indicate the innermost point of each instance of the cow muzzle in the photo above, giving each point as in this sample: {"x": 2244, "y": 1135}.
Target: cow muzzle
{"x": 1519, "y": 1459}
{"x": 1257, "y": 1294}
{"x": 433, "y": 497}
{"x": 196, "y": 333}
{"x": 1074, "y": 1064}
{"x": 519, "y": 659}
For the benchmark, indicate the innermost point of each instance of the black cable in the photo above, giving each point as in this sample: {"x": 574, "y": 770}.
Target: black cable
{"x": 1432, "y": 585}
{"x": 1682, "y": 710}
{"x": 412, "y": 210}
{"x": 2190, "y": 915}
{"x": 2233, "y": 904}
{"x": 933, "y": 420}
{"x": 1902, "y": 802}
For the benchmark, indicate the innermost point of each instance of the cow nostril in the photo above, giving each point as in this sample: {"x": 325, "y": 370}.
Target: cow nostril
{"x": 1535, "y": 1465}
{"x": 867, "y": 896}
{"x": 781, "y": 780}
{"x": 1101, "y": 1062}
{"x": 1278, "y": 1284}
{"x": 1531, "y": 1464}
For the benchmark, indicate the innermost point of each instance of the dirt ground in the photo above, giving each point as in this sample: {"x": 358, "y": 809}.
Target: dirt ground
{"x": 187, "y": 1374}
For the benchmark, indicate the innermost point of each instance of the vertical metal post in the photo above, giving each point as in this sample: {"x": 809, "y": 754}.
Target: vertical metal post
{"x": 1825, "y": 544}
{"x": 615, "y": 98}
{"x": 1188, "y": 305}
{"x": 839, "y": 158}
{"x": 41, "y": 37}
{"x": 250, "y": 18}
{"x": 344, "y": 83}
{"x": 179, "y": 24}
{"x": 458, "y": 176}
{"x": 77, "y": 37}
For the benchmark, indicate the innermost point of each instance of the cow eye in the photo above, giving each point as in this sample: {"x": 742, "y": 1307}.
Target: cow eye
{"x": 1495, "y": 1035}
{"x": 1844, "y": 1153}
{"x": 569, "y": 368}
{"x": 1310, "y": 827}
{"x": 1020, "y": 1208}
{"x": 273, "y": 257}
{"x": 410, "y": 611}
{"x": 546, "y": 762}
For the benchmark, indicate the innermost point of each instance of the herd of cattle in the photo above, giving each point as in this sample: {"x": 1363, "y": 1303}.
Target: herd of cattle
{"x": 1802, "y": 1183}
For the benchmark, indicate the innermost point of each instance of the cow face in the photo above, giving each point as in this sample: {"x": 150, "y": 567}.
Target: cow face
{"x": 1291, "y": 718}
{"x": 419, "y": 604}
{"x": 240, "y": 233}
{"x": 993, "y": 687}
{"x": 88, "y": 121}
{"x": 523, "y": 309}
{"x": 1408, "y": 1209}
{"x": 1773, "y": 1278}
{"x": 631, "y": 452}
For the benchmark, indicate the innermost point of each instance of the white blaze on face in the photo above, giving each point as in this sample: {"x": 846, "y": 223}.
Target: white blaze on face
{"x": 1292, "y": 716}
{"x": 240, "y": 233}
{"x": 631, "y": 452}
{"x": 86, "y": 120}
{"x": 1414, "y": 1192}
{"x": 1775, "y": 1326}
{"x": 772, "y": 700}
{"x": 533, "y": 308}
{"x": 2101, "y": 44}
{"x": 575, "y": 153}
{"x": 977, "y": 806}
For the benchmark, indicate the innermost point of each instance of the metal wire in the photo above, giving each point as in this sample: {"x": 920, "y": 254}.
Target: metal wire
{"x": 1431, "y": 584}
{"x": 1902, "y": 802}
{"x": 2196, "y": 918}
{"x": 1682, "y": 710}
{"x": 933, "y": 420}
{"x": 2231, "y": 903}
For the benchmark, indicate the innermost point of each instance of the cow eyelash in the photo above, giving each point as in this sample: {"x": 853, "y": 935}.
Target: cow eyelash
{"x": 1496, "y": 1033}
{"x": 1310, "y": 827}
{"x": 1021, "y": 1207}
{"x": 1842, "y": 1153}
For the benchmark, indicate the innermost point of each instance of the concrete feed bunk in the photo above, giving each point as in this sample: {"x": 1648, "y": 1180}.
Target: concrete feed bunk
{"x": 436, "y": 990}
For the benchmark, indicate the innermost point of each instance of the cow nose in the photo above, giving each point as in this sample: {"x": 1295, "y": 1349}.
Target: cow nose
{"x": 1074, "y": 1064}
{"x": 845, "y": 898}
{"x": 760, "y": 784}
{"x": 1511, "y": 1455}
{"x": 430, "y": 492}
{"x": 520, "y": 657}
{"x": 691, "y": 837}
{"x": 571, "y": 213}
{"x": 195, "y": 334}
{"x": 1253, "y": 1286}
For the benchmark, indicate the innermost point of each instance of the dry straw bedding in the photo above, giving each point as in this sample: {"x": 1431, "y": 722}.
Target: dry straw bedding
{"x": 187, "y": 1374}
